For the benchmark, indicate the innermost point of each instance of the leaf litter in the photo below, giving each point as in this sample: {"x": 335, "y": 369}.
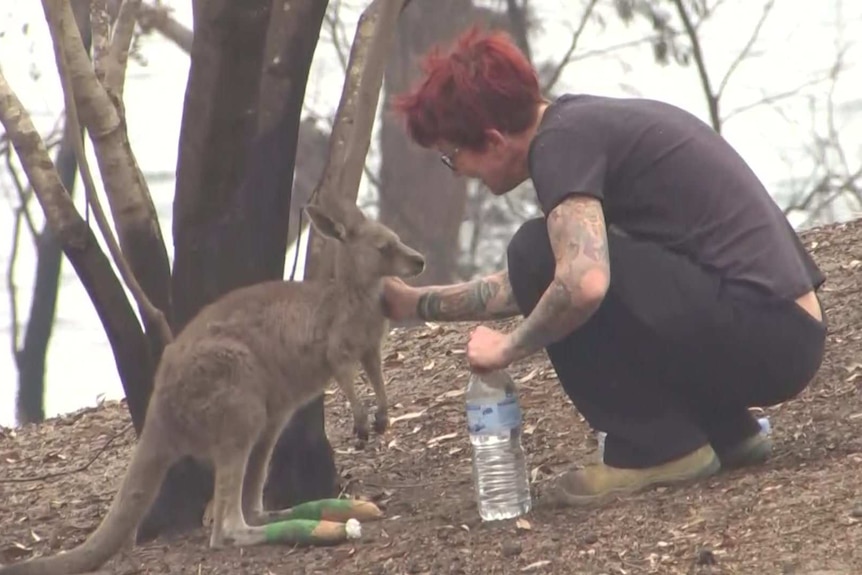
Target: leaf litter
{"x": 799, "y": 514}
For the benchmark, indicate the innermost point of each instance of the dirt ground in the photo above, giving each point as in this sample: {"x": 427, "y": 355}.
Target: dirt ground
{"x": 799, "y": 514}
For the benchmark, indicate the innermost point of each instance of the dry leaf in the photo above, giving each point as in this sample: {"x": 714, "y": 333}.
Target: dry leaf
{"x": 451, "y": 394}
{"x": 523, "y": 524}
{"x": 435, "y": 440}
{"x": 536, "y": 565}
{"x": 407, "y": 416}
{"x": 529, "y": 376}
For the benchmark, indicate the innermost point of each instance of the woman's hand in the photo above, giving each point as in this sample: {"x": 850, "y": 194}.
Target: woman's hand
{"x": 399, "y": 299}
{"x": 488, "y": 350}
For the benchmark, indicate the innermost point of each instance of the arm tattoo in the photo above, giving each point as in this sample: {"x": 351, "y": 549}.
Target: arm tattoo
{"x": 482, "y": 299}
{"x": 578, "y": 237}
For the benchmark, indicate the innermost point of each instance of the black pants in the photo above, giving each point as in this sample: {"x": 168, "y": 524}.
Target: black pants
{"x": 674, "y": 356}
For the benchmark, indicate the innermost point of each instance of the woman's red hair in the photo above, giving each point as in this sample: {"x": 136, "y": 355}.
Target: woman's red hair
{"x": 485, "y": 82}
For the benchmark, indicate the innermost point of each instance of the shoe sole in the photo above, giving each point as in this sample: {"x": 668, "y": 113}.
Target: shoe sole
{"x": 755, "y": 454}
{"x": 672, "y": 481}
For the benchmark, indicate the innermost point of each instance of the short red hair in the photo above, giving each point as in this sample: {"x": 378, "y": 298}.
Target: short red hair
{"x": 484, "y": 82}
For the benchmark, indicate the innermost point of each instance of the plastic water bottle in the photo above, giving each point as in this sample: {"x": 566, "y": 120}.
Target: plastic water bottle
{"x": 765, "y": 428}
{"x": 499, "y": 466}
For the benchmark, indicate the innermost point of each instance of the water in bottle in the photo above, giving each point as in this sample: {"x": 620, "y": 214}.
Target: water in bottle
{"x": 499, "y": 465}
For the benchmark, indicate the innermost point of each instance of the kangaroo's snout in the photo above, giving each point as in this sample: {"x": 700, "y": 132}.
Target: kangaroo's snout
{"x": 414, "y": 263}
{"x": 418, "y": 263}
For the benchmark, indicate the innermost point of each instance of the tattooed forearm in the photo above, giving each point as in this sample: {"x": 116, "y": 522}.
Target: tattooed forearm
{"x": 482, "y": 299}
{"x": 579, "y": 240}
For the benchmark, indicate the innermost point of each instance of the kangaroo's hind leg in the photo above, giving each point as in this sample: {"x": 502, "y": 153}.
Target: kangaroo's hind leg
{"x": 255, "y": 477}
{"x": 228, "y": 523}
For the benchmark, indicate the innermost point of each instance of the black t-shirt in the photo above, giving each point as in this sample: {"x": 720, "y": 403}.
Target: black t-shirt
{"x": 665, "y": 176}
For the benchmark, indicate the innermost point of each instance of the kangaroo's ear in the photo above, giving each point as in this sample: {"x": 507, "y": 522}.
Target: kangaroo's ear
{"x": 325, "y": 224}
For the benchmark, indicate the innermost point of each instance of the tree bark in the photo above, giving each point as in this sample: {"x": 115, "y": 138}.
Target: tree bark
{"x": 420, "y": 199}
{"x": 351, "y": 133}
{"x": 30, "y": 359}
{"x": 131, "y": 348}
{"x": 249, "y": 68}
{"x": 101, "y": 114}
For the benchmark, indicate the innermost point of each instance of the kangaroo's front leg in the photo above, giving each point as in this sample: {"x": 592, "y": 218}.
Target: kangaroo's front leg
{"x": 372, "y": 363}
{"x": 344, "y": 376}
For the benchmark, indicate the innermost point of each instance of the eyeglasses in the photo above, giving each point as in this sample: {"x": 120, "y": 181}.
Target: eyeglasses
{"x": 449, "y": 159}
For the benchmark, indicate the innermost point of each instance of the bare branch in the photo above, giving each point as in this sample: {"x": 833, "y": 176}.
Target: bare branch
{"x": 746, "y": 50}
{"x": 354, "y": 119}
{"x": 100, "y": 24}
{"x": 11, "y": 288}
{"x": 148, "y": 309}
{"x": 335, "y": 30}
{"x": 774, "y": 98}
{"x": 351, "y": 134}
{"x": 78, "y": 469}
{"x": 158, "y": 18}
{"x": 567, "y": 58}
{"x": 120, "y": 42}
{"x": 24, "y": 195}
{"x": 711, "y": 99}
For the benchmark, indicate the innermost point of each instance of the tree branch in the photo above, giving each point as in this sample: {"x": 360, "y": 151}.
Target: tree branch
{"x": 124, "y": 29}
{"x": 158, "y": 18}
{"x": 24, "y": 195}
{"x": 121, "y": 326}
{"x": 12, "y": 289}
{"x": 100, "y": 25}
{"x": 709, "y": 94}
{"x": 148, "y": 309}
{"x": 351, "y": 133}
{"x": 567, "y": 58}
{"x": 134, "y": 214}
{"x": 746, "y": 50}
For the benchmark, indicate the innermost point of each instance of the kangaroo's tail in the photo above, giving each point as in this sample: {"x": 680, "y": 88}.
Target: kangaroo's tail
{"x": 150, "y": 462}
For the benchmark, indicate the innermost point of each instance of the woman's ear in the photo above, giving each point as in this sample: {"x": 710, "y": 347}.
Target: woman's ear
{"x": 494, "y": 139}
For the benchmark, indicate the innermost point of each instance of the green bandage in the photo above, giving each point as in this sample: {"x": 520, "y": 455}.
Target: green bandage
{"x": 335, "y": 510}
{"x": 309, "y": 531}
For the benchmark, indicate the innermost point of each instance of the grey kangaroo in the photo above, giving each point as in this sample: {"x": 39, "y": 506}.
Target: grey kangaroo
{"x": 231, "y": 380}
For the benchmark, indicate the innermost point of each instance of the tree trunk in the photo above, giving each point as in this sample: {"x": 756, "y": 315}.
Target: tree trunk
{"x": 30, "y": 359}
{"x": 249, "y": 67}
{"x": 131, "y": 349}
{"x": 419, "y": 197}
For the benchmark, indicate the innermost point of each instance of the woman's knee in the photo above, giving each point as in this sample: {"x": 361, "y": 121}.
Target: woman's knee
{"x": 530, "y": 262}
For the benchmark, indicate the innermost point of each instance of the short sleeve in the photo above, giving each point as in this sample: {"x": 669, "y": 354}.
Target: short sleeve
{"x": 563, "y": 163}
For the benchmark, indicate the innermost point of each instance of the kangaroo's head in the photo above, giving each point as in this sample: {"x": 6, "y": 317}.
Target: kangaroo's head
{"x": 372, "y": 249}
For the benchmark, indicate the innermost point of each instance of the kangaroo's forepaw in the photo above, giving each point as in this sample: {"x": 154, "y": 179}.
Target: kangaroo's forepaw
{"x": 381, "y": 422}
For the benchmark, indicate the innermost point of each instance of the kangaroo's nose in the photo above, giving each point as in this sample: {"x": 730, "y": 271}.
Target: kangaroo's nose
{"x": 418, "y": 262}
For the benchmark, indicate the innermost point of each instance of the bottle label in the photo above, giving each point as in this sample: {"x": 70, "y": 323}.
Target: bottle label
{"x": 496, "y": 417}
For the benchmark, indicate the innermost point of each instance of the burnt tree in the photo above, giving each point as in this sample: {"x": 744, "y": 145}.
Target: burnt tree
{"x": 249, "y": 66}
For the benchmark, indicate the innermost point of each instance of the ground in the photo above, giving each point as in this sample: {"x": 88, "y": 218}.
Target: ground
{"x": 799, "y": 514}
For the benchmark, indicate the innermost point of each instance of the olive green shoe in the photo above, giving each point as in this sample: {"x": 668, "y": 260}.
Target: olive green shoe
{"x": 754, "y": 450}
{"x": 598, "y": 483}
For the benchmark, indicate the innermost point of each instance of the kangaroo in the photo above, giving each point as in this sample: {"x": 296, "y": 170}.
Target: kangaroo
{"x": 232, "y": 379}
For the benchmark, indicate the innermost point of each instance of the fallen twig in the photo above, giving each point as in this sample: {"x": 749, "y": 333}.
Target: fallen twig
{"x": 79, "y": 469}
